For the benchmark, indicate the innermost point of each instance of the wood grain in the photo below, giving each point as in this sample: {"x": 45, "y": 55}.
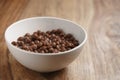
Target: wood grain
{"x": 100, "y": 58}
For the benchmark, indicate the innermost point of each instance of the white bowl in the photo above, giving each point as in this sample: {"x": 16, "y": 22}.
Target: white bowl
{"x": 38, "y": 61}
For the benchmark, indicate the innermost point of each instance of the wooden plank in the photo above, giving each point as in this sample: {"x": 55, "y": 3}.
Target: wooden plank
{"x": 100, "y": 58}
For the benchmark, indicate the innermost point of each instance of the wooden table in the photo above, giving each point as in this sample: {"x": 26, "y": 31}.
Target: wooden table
{"x": 100, "y": 58}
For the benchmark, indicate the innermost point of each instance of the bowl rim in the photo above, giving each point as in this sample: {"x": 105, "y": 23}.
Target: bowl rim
{"x": 59, "y": 53}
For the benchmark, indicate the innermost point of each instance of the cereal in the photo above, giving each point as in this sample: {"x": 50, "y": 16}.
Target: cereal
{"x": 53, "y": 41}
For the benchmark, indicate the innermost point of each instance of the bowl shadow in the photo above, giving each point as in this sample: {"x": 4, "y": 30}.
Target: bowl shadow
{"x": 60, "y": 74}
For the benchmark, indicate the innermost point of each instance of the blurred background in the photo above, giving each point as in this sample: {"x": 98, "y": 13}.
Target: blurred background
{"x": 100, "y": 58}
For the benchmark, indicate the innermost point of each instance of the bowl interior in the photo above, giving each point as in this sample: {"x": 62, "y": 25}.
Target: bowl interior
{"x": 33, "y": 24}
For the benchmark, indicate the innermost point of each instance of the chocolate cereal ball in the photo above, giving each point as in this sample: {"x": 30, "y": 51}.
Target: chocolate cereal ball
{"x": 53, "y": 41}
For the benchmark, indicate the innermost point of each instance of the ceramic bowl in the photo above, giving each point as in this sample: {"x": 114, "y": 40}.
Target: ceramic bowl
{"x": 39, "y": 61}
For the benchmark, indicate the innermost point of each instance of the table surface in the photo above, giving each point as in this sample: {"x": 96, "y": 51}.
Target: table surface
{"x": 100, "y": 58}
